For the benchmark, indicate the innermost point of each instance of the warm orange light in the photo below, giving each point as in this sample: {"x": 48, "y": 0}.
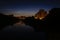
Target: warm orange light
{"x": 40, "y": 18}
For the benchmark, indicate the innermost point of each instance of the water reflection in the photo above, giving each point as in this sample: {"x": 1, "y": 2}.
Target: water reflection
{"x": 18, "y": 27}
{"x": 19, "y": 24}
{"x": 21, "y": 30}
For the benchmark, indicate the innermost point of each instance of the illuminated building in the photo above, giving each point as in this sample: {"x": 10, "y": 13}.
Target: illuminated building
{"x": 41, "y": 14}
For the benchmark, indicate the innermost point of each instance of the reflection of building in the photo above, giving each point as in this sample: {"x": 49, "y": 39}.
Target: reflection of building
{"x": 41, "y": 14}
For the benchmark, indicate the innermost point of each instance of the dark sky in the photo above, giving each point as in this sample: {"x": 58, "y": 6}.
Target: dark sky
{"x": 26, "y": 7}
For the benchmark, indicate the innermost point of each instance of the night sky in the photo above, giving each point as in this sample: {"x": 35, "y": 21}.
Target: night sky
{"x": 26, "y": 7}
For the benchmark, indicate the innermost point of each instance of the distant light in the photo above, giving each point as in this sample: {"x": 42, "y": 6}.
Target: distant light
{"x": 40, "y": 18}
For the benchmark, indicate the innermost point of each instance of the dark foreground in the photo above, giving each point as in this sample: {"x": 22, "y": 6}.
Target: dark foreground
{"x": 23, "y": 35}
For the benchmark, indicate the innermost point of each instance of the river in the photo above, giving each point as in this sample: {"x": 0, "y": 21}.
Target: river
{"x": 20, "y": 26}
{"x": 19, "y": 30}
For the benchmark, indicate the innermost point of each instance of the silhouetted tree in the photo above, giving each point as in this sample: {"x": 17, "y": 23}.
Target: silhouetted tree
{"x": 52, "y": 20}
